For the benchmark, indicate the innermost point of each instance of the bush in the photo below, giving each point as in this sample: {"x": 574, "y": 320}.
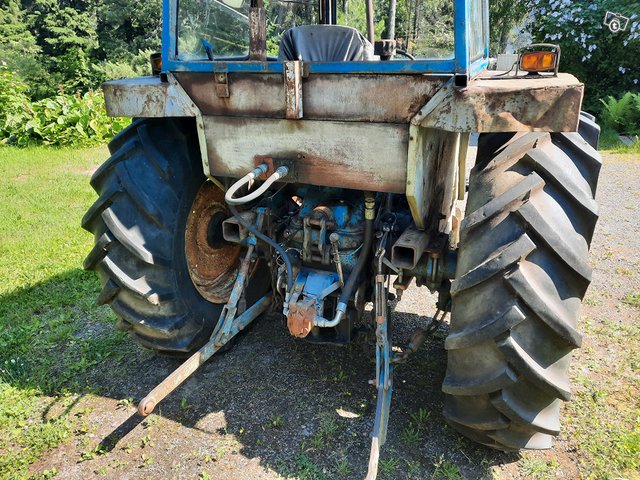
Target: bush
{"x": 14, "y": 101}
{"x": 78, "y": 120}
{"x": 136, "y": 66}
{"x": 622, "y": 115}
{"x": 605, "y": 61}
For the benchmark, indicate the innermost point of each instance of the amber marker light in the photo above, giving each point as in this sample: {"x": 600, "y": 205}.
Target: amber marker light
{"x": 538, "y": 61}
{"x": 539, "y": 58}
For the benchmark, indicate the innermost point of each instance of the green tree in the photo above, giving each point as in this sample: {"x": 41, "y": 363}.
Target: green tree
{"x": 356, "y": 16}
{"x": 125, "y": 27}
{"x": 67, "y": 38}
{"x": 504, "y": 15}
{"x": 18, "y": 47}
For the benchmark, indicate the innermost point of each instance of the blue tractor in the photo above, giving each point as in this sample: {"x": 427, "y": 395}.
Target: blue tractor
{"x": 280, "y": 160}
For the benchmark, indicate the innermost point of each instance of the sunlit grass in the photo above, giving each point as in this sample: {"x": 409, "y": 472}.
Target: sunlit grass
{"x": 46, "y": 299}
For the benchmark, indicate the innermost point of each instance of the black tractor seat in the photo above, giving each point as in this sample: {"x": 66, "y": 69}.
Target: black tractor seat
{"x": 324, "y": 43}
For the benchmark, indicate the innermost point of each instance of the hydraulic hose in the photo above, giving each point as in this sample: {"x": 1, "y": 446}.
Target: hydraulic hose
{"x": 278, "y": 174}
{"x": 271, "y": 242}
{"x": 341, "y": 309}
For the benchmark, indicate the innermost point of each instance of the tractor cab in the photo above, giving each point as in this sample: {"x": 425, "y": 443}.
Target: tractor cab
{"x": 450, "y": 37}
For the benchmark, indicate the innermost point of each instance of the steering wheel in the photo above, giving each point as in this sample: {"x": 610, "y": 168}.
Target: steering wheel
{"x": 404, "y": 53}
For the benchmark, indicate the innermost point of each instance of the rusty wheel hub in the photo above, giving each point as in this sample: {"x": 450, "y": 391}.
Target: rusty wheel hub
{"x": 212, "y": 262}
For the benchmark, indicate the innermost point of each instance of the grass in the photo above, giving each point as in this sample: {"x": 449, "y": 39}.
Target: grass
{"x": 387, "y": 466}
{"x": 610, "y": 141}
{"x": 307, "y": 470}
{"x": 327, "y": 428}
{"x": 343, "y": 468}
{"x": 604, "y": 416}
{"x": 410, "y": 435}
{"x": 413, "y": 432}
{"x": 46, "y": 299}
{"x": 632, "y": 299}
{"x": 538, "y": 469}
{"x": 276, "y": 421}
{"x": 446, "y": 470}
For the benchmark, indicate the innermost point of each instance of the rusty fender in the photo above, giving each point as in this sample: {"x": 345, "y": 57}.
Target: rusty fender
{"x": 506, "y": 104}
{"x": 147, "y": 97}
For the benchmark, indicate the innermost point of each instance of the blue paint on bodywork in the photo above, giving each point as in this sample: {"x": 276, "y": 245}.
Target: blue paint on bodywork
{"x": 318, "y": 281}
{"x": 347, "y": 210}
{"x": 436, "y": 66}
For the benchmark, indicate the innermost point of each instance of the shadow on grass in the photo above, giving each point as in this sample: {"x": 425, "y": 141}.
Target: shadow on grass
{"x": 52, "y": 334}
{"x": 301, "y": 409}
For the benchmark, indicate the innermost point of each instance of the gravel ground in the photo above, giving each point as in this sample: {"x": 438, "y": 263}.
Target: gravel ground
{"x": 277, "y": 407}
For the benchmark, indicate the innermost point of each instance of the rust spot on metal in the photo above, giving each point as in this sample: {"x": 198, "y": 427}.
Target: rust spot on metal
{"x": 257, "y": 34}
{"x": 300, "y": 319}
{"x": 510, "y": 104}
{"x": 380, "y": 98}
{"x": 293, "y": 89}
{"x": 259, "y": 160}
{"x": 346, "y": 154}
{"x": 222, "y": 84}
{"x": 212, "y": 263}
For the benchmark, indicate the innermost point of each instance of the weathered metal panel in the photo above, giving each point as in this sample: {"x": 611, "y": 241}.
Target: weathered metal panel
{"x": 356, "y": 98}
{"x": 431, "y": 176}
{"x": 147, "y": 97}
{"x": 504, "y": 104}
{"x": 363, "y": 156}
{"x": 250, "y": 94}
{"x": 368, "y": 98}
{"x": 293, "y": 89}
{"x": 257, "y": 34}
{"x": 486, "y": 105}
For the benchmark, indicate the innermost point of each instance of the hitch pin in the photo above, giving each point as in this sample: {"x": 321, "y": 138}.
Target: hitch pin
{"x": 333, "y": 238}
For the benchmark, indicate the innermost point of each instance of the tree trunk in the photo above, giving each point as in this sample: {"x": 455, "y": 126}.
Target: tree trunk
{"x": 504, "y": 40}
{"x": 391, "y": 30}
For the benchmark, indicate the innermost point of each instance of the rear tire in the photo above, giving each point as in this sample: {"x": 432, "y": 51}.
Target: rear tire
{"x": 521, "y": 275}
{"x": 146, "y": 191}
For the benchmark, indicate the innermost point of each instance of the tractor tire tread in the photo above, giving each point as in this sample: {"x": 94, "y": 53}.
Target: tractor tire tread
{"x": 134, "y": 220}
{"x": 522, "y": 271}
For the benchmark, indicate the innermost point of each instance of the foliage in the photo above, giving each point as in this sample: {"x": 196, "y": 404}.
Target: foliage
{"x": 504, "y": 15}
{"x": 60, "y": 120}
{"x": 621, "y": 115}
{"x": 138, "y": 65}
{"x": 354, "y": 14}
{"x": 126, "y": 27}
{"x": 16, "y": 41}
{"x": 422, "y": 27}
{"x": 605, "y": 61}
{"x": 13, "y": 97}
{"x": 66, "y": 37}
{"x": 59, "y": 47}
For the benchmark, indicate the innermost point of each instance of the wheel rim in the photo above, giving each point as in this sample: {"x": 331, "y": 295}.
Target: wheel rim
{"x": 212, "y": 262}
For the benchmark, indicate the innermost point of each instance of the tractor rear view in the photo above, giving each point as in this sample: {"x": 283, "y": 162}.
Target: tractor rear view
{"x": 314, "y": 170}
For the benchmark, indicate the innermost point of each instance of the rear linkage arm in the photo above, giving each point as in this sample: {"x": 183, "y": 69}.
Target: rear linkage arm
{"x": 384, "y": 369}
{"x": 385, "y": 358}
{"x": 228, "y": 326}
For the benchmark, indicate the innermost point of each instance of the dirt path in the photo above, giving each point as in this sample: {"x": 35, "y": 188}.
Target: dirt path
{"x": 274, "y": 407}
